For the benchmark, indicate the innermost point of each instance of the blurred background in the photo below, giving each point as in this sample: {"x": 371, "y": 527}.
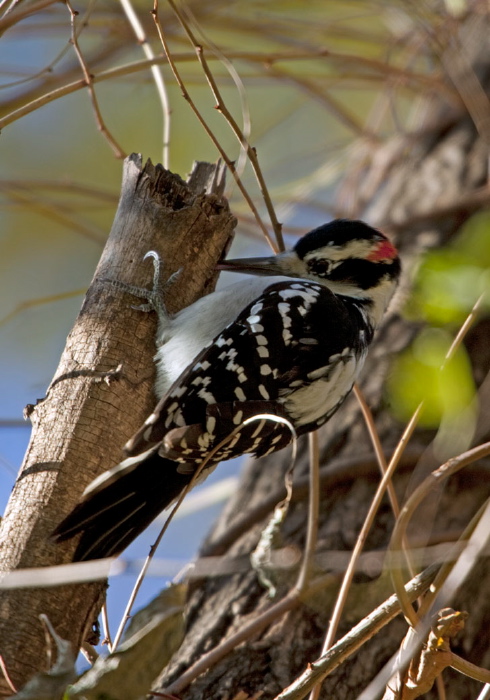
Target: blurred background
{"x": 315, "y": 92}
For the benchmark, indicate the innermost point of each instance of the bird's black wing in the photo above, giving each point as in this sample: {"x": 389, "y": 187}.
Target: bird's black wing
{"x": 273, "y": 348}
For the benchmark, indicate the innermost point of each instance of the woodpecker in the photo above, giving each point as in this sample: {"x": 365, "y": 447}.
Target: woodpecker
{"x": 289, "y": 341}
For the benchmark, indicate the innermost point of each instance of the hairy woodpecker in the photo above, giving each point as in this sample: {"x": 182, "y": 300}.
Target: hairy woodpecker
{"x": 289, "y": 341}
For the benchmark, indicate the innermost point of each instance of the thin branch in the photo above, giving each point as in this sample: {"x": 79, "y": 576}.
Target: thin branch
{"x": 246, "y": 631}
{"x": 373, "y": 508}
{"x": 207, "y": 129}
{"x": 222, "y": 108}
{"x": 338, "y": 471}
{"x": 468, "y": 322}
{"x": 468, "y": 669}
{"x": 106, "y": 627}
{"x": 448, "y": 564}
{"x": 410, "y": 665}
{"x": 136, "y": 66}
{"x": 378, "y": 449}
{"x": 485, "y": 693}
{"x": 10, "y": 18}
{"x": 117, "y": 150}
{"x": 29, "y": 303}
{"x": 433, "y": 481}
{"x": 57, "y": 213}
{"x": 3, "y": 668}
{"x": 318, "y": 670}
{"x": 412, "y": 503}
{"x": 156, "y": 73}
{"x": 48, "y": 69}
{"x": 235, "y": 76}
{"x": 313, "y": 509}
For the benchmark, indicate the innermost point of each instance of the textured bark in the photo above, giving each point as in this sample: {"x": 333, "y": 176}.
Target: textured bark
{"x": 421, "y": 189}
{"x": 81, "y": 426}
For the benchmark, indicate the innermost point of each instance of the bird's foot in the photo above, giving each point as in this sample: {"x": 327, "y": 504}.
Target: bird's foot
{"x": 153, "y": 297}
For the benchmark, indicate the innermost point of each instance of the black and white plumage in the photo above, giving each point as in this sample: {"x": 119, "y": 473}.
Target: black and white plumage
{"x": 289, "y": 341}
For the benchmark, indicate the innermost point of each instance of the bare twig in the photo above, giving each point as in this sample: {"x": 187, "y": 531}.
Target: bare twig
{"x": 117, "y": 150}
{"x": 313, "y": 508}
{"x": 433, "y": 481}
{"x": 471, "y": 200}
{"x": 338, "y": 471}
{"x": 397, "y": 579}
{"x": 222, "y": 108}
{"x": 376, "y": 502}
{"x": 29, "y": 303}
{"x": 207, "y": 129}
{"x": 156, "y": 73}
{"x": 318, "y": 670}
{"x": 90, "y": 652}
{"x": 447, "y": 566}
{"x": 417, "y": 665}
{"x": 378, "y": 449}
{"x": 485, "y": 693}
{"x": 105, "y": 626}
{"x": 10, "y": 18}
{"x": 3, "y": 668}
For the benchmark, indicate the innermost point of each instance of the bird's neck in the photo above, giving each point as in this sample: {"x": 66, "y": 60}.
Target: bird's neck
{"x": 372, "y": 303}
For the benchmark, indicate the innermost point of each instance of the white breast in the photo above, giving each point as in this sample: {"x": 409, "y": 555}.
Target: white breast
{"x": 311, "y": 403}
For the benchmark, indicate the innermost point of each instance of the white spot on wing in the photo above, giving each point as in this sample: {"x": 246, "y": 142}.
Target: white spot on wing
{"x": 239, "y": 393}
{"x": 263, "y": 391}
{"x": 206, "y": 396}
{"x": 238, "y": 417}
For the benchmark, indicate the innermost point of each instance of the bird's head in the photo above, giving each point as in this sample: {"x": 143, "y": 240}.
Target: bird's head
{"x": 349, "y": 257}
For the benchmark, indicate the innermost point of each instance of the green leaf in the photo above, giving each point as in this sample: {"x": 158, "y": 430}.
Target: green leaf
{"x": 417, "y": 376}
{"x": 451, "y": 280}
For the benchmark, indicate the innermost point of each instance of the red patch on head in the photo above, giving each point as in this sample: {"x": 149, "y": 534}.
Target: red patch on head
{"x": 383, "y": 251}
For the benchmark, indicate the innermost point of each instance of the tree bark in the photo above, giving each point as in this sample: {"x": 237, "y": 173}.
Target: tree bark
{"x": 101, "y": 393}
{"x": 420, "y": 188}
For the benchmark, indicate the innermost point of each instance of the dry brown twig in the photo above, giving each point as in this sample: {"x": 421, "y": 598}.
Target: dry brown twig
{"x": 417, "y": 662}
{"x": 361, "y": 539}
{"x": 5, "y": 673}
{"x": 116, "y": 148}
{"x": 223, "y": 109}
{"x": 185, "y": 93}
{"x": 156, "y": 74}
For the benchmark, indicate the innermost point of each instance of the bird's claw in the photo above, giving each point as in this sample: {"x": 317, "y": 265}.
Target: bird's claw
{"x": 154, "y": 296}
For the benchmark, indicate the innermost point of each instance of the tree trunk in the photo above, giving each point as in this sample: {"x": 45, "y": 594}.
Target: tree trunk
{"x": 102, "y": 392}
{"x": 420, "y": 188}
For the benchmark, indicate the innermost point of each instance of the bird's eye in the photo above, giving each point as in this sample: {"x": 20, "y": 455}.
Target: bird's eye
{"x": 320, "y": 267}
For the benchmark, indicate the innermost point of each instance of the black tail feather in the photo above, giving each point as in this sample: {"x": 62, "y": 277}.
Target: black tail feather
{"x": 114, "y": 514}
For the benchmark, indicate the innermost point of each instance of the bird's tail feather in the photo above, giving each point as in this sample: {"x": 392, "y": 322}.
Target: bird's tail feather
{"x": 121, "y": 504}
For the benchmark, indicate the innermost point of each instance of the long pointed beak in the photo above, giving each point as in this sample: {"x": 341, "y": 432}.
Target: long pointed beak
{"x": 274, "y": 265}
